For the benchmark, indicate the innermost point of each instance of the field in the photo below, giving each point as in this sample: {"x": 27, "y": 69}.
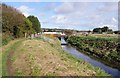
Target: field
{"x": 105, "y": 35}
{"x": 43, "y": 57}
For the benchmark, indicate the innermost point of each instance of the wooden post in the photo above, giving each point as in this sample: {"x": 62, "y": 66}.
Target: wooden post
{"x": 25, "y": 35}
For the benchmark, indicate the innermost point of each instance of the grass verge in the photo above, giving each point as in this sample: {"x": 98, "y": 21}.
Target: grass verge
{"x": 5, "y": 54}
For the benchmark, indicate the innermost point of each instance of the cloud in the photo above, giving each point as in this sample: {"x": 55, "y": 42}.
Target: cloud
{"x": 83, "y": 15}
{"x": 77, "y": 15}
{"x": 49, "y": 6}
{"x": 25, "y": 10}
{"x": 108, "y": 7}
{"x": 114, "y": 19}
{"x": 72, "y": 12}
{"x": 60, "y": 19}
{"x": 65, "y": 8}
{"x": 19, "y": 0}
{"x": 71, "y": 7}
{"x": 90, "y": 0}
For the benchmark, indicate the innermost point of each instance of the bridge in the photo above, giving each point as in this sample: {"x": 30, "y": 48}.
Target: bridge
{"x": 63, "y": 42}
{"x": 59, "y": 35}
{"x": 61, "y": 32}
{"x": 55, "y": 34}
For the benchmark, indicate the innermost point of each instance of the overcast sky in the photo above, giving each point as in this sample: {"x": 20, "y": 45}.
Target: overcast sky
{"x": 71, "y": 15}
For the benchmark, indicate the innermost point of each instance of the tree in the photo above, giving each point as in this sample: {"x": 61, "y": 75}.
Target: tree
{"x": 97, "y": 30}
{"x": 14, "y": 24}
{"x": 117, "y": 32}
{"x": 35, "y": 23}
{"x": 104, "y": 29}
{"x": 12, "y": 21}
{"x": 28, "y": 27}
{"x": 101, "y": 30}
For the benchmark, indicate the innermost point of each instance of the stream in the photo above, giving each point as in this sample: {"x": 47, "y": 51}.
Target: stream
{"x": 73, "y": 51}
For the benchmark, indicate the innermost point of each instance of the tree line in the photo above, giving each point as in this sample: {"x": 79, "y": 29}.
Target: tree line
{"x": 105, "y": 29}
{"x": 16, "y": 25}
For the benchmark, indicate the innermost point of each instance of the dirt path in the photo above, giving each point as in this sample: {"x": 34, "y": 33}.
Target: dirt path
{"x": 8, "y": 52}
{"x": 9, "y": 64}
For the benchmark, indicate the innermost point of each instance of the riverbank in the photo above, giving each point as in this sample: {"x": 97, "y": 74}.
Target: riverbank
{"x": 43, "y": 57}
{"x": 105, "y": 50}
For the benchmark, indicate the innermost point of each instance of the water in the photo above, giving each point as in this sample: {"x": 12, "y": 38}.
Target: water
{"x": 79, "y": 55}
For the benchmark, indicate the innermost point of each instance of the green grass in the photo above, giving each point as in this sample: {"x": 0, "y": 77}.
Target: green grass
{"x": 35, "y": 70}
{"x": 50, "y": 74}
{"x": 5, "y": 56}
{"x": 19, "y": 72}
{"x": 0, "y": 64}
{"x": 99, "y": 72}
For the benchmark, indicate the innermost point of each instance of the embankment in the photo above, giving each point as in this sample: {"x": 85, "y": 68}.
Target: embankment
{"x": 43, "y": 57}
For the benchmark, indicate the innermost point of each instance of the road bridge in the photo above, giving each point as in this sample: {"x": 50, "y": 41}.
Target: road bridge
{"x": 59, "y": 35}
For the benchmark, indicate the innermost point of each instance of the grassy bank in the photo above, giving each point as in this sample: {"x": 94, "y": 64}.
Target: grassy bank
{"x": 106, "y": 49}
{"x": 0, "y": 63}
{"x": 44, "y": 57}
{"x": 7, "y": 50}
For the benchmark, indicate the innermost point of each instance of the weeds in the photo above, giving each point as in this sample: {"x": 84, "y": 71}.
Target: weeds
{"x": 34, "y": 69}
{"x": 19, "y": 72}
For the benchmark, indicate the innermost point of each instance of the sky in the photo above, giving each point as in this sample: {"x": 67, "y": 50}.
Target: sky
{"x": 78, "y": 15}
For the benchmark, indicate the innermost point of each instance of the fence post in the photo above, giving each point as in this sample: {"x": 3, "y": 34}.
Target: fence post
{"x": 25, "y": 35}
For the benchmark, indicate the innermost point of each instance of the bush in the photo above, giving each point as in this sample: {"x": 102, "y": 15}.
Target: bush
{"x": 6, "y": 38}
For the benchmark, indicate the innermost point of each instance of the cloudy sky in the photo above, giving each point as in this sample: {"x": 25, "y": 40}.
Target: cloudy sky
{"x": 71, "y": 15}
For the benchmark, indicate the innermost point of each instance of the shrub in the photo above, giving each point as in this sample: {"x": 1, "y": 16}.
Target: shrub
{"x": 6, "y": 38}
